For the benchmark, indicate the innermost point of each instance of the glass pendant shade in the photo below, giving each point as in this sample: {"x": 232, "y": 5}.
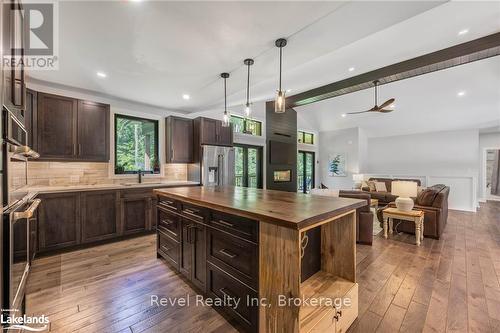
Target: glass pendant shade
{"x": 225, "y": 120}
{"x": 279, "y": 103}
{"x": 248, "y": 110}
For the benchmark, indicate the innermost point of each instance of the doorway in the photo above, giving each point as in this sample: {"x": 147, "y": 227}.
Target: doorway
{"x": 305, "y": 171}
{"x": 248, "y": 166}
{"x": 491, "y": 174}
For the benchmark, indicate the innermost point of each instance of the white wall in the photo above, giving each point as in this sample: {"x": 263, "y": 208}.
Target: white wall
{"x": 486, "y": 141}
{"x": 450, "y": 158}
{"x": 340, "y": 141}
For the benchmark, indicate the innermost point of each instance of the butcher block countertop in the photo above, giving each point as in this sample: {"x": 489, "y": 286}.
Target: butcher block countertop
{"x": 288, "y": 209}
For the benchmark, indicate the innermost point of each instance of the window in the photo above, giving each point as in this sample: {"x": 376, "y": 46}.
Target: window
{"x": 305, "y": 137}
{"x": 247, "y": 126}
{"x": 305, "y": 171}
{"x": 248, "y": 166}
{"x": 136, "y": 145}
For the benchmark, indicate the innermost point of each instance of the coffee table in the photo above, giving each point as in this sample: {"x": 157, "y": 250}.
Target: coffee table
{"x": 416, "y": 216}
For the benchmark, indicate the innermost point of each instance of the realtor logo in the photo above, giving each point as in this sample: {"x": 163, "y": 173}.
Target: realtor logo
{"x": 34, "y": 30}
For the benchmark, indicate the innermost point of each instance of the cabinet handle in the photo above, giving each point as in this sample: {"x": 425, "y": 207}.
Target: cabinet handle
{"x": 192, "y": 212}
{"x": 167, "y": 222}
{"x": 227, "y": 253}
{"x": 75, "y": 149}
{"x": 173, "y": 154}
{"x": 79, "y": 149}
{"x": 166, "y": 249}
{"x": 222, "y": 290}
{"x": 338, "y": 314}
{"x": 227, "y": 224}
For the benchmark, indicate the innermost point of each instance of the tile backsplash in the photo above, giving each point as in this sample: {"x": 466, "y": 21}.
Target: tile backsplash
{"x": 89, "y": 173}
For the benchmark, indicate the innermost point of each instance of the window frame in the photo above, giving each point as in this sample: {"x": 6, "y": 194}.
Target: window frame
{"x": 157, "y": 146}
{"x": 302, "y": 135}
{"x": 245, "y": 122}
{"x": 260, "y": 164}
{"x": 304, "y": 171}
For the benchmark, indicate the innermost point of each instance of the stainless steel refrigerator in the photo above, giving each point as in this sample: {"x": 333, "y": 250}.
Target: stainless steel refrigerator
{"x": 217, "y": 166}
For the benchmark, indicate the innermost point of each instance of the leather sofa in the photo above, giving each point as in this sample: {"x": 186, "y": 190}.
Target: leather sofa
{"x": 364, "y": 217}
{"x": 385, "y": 198}
{"x": 434, "y": 202}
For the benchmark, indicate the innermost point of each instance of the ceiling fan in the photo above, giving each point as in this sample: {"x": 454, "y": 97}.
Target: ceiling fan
{"x": 377, "y": 108}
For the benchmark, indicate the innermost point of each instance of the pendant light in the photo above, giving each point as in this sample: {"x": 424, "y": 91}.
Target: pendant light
{"x": 248, "y": 110}
{"x": 279, "y": 104}
{"x": 225, "y": 118}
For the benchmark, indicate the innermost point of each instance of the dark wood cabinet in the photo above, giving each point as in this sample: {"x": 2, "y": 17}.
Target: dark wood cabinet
{"x": 68, "y": 129}
{"x": 99, "y": 215}
{"x": 211, "y": 132}
{"x": 56, "y": 128}
{"x": 59, "y": 221}
{"x": 136, "y": 207}
{"x": 179, "y": 135}
{"x": 186, "y": 250}
{"x": 93, "y": 131}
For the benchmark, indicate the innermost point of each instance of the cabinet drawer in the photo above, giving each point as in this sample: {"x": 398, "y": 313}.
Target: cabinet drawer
{"x": 193, "y": 212}
{"x": 236, "y": 225}
{"x": 169, "y": 223}
{"x": 168, "y": 248}
{"x": 347, "y": 315}
{"x": 224, "y": 286}
{"x": 168, "y": 203}
{"x": 237, "y": 256}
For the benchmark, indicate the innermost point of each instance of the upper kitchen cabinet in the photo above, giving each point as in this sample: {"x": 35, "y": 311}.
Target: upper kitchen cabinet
{"x": 211, "y": 132}
{"x": 179, "y": 134}
{"x": 68, "y": 129}
{"x": 93, "y": 131}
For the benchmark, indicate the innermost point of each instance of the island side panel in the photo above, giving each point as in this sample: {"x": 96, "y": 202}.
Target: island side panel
{"x": 338, "y": 247}
{"x": 279, "y": 275}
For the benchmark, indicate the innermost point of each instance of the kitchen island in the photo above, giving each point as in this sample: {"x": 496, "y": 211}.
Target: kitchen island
{"x": 247, "y": 244}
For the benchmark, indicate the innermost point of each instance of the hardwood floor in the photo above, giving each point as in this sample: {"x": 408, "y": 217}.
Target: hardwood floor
{"x": 450, "y": 285}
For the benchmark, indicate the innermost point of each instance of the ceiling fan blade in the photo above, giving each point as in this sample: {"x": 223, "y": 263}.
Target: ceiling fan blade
{"x": 360, "y": 112}
{"x": 386, "y": 103}
{"x": 385, "y": 110}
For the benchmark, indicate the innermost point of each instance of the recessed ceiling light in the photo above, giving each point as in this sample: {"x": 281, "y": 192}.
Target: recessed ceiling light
{"x": 101, "y": 74}
{"x": 343, "y": 115}
{"x": 463, "y": 32}
{"x": 461, "y": 93}
{"x": 351, "y": 69}
{"x": 288, "y": 90}
{"x": 392, "y": 106}
{"x": 186, "y": 96}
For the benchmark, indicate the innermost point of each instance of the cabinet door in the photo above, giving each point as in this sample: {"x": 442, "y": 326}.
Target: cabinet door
{"x": 199, "y": 267}
{"x": 186, "y": 256}
{"x": 93, "y": 131}
{"x": 59, "y": 221}
{"x": 56, "y": 130}
{"x": 208, "y": 131}
{"x": 179, "y": 140}
{"x": 136, "y": 214}
{"x": 224, "y": 134}
{"x": 99, "y": 215}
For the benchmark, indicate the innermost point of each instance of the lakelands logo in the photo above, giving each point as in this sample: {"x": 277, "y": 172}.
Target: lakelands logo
{"x": 26, "y": 323}
{"x": 34, "y": 35}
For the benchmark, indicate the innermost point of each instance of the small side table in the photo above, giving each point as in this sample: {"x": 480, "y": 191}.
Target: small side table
{"x": 374, "y": 203}
{"x": 416, "y": 216}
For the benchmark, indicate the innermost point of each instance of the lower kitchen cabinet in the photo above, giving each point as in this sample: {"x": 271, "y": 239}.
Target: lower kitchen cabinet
{"x": 192, "y": 262}
{"x": 99, "y": 218}
{"x": 136, "y": 212}
{"x": 59, "y": 221}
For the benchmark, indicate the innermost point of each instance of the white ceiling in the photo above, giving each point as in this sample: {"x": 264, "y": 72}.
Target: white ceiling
{"x": 154, "y": 52}
{"x": 424, "y": 103}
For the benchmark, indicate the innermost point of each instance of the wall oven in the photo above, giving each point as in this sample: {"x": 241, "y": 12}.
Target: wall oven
{"x": 19, "y": 211}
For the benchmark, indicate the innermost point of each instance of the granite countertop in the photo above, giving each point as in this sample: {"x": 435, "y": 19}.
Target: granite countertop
{"x": 97, "y": 187}
{"x": 289, "y": 209}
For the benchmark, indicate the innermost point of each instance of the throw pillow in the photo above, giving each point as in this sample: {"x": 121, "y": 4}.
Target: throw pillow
{"x": 371, "y": 185}
{"x": 380, "y": 187}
